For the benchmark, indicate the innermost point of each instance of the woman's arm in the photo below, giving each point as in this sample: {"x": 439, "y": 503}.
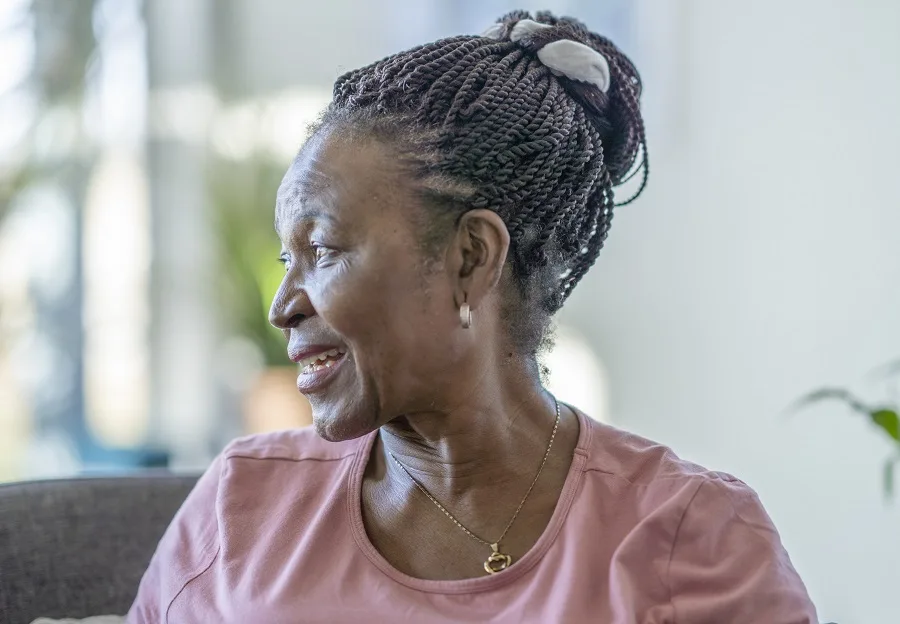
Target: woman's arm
{"x": 728, "y": 564}
{"x": 187, "y": 549}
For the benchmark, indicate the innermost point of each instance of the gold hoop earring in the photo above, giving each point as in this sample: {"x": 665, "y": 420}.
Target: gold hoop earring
{"x": 465, "y": 316}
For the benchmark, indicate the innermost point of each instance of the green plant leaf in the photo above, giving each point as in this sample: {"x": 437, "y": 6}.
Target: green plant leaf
{"x": 825, "y": 394}
{"x": 889, "y": 421}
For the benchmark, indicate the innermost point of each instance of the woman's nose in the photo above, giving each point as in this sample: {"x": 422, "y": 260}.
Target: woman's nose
{"x": 289, "y": 307}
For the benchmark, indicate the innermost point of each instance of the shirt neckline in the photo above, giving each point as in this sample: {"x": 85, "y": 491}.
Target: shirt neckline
{"x": 477, "y": 584}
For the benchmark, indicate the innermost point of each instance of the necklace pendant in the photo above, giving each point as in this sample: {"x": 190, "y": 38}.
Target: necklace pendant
{"x": 497, "y": 562}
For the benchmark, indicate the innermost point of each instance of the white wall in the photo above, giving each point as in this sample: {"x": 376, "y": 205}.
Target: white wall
{"x": 764, "y": 261}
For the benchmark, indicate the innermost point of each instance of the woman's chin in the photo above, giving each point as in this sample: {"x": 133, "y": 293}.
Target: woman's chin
{"x": 338, "y": 425}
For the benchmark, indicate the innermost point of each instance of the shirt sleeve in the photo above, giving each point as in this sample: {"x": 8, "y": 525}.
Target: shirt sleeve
{"x": 186, "y": 550}
{"x": 728, "y": 564}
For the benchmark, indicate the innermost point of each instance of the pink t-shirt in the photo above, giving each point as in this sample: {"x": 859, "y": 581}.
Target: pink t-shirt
{"x": 273, "y": 533}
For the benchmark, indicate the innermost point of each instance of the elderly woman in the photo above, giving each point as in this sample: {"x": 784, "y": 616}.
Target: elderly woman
{"x": 445, "y": 206}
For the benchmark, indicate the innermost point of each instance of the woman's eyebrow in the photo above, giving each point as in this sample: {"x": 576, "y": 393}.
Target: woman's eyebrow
{"x": 310, "y": 215}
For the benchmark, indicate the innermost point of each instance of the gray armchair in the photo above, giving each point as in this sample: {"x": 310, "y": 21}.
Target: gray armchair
{"x": 78, "y": 547}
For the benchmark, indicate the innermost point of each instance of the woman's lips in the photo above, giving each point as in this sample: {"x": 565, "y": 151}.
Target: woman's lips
{"x": 298, "y": 352}
{"x": 317, "y": 367}
{"x": 310, "y": 360}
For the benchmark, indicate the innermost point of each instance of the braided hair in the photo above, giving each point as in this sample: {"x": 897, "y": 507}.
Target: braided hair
{"x": 482, "y": 123}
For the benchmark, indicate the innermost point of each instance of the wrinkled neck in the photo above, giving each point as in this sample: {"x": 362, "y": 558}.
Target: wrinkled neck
{"x": 496, "y": 431}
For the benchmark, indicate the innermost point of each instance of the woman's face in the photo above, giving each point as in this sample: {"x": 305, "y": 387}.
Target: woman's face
{"x": 375, "y": 332}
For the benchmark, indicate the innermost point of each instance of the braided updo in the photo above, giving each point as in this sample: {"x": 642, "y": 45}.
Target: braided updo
{"x": 482, "y": 123}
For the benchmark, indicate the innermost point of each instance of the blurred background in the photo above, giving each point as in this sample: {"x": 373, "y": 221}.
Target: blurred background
{"x": 141, "y": 144}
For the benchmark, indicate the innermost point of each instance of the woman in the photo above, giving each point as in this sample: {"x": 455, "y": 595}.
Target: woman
{"x": 446, "y": 205}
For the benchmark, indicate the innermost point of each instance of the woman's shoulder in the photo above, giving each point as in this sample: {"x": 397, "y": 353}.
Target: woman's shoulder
{"x": 637, "y": 460}
{"x": 724, "y": 559}
{"x": 292, "y": 445}
{"x": 711, "y": 520}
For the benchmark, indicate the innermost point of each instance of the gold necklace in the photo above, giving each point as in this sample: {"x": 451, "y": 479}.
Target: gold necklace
{"x": 497, "y": 561}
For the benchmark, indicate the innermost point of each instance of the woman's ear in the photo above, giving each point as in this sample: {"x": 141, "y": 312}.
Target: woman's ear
{"x": 481, "y": 246}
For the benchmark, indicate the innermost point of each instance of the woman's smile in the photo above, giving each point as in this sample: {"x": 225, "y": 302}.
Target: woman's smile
{"x": 318, "y": 366}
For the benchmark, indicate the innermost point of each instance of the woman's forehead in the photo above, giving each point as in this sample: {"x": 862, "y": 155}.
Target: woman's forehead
{"x": 347, "y": 179}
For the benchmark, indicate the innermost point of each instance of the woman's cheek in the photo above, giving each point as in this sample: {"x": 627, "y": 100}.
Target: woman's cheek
{"x": 339, "y": 298}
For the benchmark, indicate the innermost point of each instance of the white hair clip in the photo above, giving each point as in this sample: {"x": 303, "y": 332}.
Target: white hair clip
{"x": 564, "y": 57}
{"x": 526, "y": 27}
{"x": 576, "y": 61}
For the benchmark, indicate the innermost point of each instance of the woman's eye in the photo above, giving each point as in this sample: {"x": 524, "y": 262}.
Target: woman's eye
{"x": 286, "y": 261}
{"x": 322, "y": 253}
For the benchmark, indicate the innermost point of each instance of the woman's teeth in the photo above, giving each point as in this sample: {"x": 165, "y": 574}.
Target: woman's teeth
{"x": 317, "y": 362}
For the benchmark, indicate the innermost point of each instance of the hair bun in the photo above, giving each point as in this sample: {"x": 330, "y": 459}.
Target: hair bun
{"x": 596, "y": 74}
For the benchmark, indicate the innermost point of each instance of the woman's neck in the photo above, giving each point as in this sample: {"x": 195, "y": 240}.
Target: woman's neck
{"x": 478, "y": 458}
{"x": 494, "y": 433}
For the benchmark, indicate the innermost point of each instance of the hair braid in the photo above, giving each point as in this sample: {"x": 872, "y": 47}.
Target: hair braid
{"x": 484, "y": 124}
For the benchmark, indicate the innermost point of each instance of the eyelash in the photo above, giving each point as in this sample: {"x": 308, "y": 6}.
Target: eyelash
{"x": 320, "y": 250}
